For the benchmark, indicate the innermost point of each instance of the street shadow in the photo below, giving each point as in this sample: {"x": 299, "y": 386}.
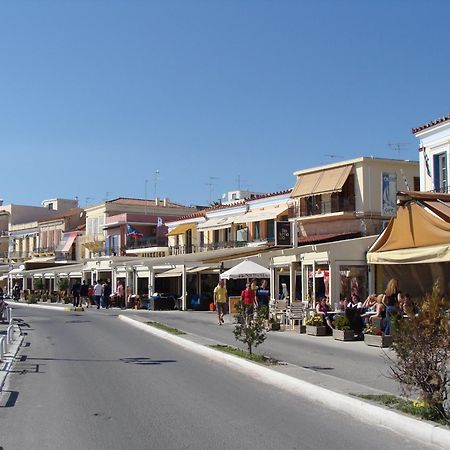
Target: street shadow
{"x": 146, "y": 361}
{"x": 78, "y": 321}
{"x": 11, "y": 402}
{"x": 318, "y": 368}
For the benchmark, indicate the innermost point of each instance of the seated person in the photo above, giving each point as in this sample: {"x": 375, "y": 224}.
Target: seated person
{"x": 323, "y": 309}
{"x": 408, "y": 307}
{"x": 354, "y": 302}
{"x": 380, "y": 311}
{"x": 370, "y": 303}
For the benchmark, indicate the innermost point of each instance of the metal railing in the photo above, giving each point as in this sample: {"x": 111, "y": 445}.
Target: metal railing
{"x": 312, "y": 206}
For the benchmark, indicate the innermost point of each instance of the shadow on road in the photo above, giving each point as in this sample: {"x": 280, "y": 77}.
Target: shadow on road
{"x": 139, "y": 360}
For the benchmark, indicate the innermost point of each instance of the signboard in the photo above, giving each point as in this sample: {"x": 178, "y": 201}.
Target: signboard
{"x": 388, "y": 194}
{"x": 283, "y": 234}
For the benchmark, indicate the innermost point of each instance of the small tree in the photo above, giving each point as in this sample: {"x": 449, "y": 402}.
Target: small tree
{"x": 422, "y": 347}
{"x": 63, "y": 284}
{"x": 250, "y": 330}
{"x": 38, "y": 284}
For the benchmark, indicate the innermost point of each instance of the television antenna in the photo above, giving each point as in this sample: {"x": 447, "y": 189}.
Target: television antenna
{"x": 332, "y": 156}
{"x": 87, "y": 200}
{"x": 398, "y": 146}
{"x": 156, "y": 181}
{"x": 211, "y": 186}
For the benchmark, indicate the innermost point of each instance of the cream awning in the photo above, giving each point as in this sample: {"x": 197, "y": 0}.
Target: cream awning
{"x": 416, "y": 235}
{"x": 218, "y": 223}
{"x": 176, "y": 272}
{"x": 262, "y": 214}
{"x": 321, "y": 182}
{"x": 181, "y": 229}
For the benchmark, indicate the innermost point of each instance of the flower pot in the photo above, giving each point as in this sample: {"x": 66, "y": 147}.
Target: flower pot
{"x": 343, "y": 335}
{"x": 377, "y": 341}
{"x": 316, "y": 331}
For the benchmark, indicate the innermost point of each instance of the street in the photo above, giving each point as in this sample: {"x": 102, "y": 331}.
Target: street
{"x": 88, "y": 381}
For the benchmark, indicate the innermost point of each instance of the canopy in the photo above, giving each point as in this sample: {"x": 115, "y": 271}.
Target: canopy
{"x": 246, "y": 269}
{"x": 322, "y": 181}
{"x": 181, "y": 229}
{"x": 416, "y": 235}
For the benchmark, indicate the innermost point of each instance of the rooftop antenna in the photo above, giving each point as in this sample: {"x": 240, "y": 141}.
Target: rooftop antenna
{"x": 88, "y": 199}
{"x": 145, "y": 197}
{"x": 107, "y": 195}
{"x": 240, "y": 182}
{"x": 332, "y": 156}
{"x": 398, "y": 147}
{"x": 211, "y": 185}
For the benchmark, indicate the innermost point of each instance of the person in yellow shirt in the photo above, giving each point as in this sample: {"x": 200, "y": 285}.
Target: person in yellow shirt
{"x": 220, "y": 300}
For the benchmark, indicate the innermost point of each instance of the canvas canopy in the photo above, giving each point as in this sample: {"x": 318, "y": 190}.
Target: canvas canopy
{"x": 416, "y": 235}
{"x": 246, "y": 269}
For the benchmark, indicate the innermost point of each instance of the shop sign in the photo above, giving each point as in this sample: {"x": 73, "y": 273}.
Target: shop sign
{"x": 283, "y": 234}
{"x": 388, "y": 194}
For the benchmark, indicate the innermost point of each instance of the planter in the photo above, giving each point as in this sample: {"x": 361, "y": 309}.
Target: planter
{"x": 316, "y": 331}
{"x": 377, "y": 341}
{"x": 343, "y": 335}
{"x": 275, "y": 326}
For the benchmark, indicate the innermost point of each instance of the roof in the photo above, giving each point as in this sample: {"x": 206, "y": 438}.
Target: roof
{"x": 431, "y": 124}
{"x": 68, "y": 213}
{"x": 139, "y": 201}
{"x": 329, "y": 237}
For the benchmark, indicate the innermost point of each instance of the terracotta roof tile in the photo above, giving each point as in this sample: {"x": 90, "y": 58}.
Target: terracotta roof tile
{"x": 431, "y": 124}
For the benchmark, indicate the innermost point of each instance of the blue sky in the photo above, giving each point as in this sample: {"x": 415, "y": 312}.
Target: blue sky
{"x": 96, "y": 96}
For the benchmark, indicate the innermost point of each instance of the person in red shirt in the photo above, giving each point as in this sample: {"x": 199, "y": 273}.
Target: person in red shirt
{"x": 248, "y": 298}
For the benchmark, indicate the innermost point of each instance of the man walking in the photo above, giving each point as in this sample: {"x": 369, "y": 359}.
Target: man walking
{"x": 98, "y": 293}
{"x": 107, "y": 290}
{"x": 76, "y": 294}
{"x": 220, "y": 300}
{"x": 84, "y": 288}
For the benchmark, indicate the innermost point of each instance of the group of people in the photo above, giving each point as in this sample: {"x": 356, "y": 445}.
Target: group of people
{"x": 253, "y": 296}
{"x": 393, "y": 303}
{"x": 100, "y": 294}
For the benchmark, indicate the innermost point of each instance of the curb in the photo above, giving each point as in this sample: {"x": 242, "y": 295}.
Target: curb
{"x": 11, "y": 358}
{"x": 419, "y": 430}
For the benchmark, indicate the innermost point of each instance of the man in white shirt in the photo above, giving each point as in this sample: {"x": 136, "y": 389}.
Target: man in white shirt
{"x": 98, "y": 289}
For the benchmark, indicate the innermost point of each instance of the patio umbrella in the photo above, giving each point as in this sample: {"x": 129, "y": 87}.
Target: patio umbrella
{"x": 245, "y": 269}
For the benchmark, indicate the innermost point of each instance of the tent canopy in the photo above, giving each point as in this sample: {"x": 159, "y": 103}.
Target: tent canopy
{"x": 246, "y": 269}
{"x": 416, "y": 235}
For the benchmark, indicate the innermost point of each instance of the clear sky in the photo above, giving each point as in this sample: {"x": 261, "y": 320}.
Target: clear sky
{"x": 96, "y": 96}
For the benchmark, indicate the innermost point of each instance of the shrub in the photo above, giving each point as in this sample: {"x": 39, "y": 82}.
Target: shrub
{"x": 315, "y": 321}
{"x": 422, "y": 348}
{"x": 341, "y": 323}
{"x": 250, "y": 329}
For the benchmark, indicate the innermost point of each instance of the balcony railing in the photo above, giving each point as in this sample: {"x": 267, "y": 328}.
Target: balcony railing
{"x": 41, "y": 250}
{"x": 311, "y": 206}
{"x": 144, "y": 242}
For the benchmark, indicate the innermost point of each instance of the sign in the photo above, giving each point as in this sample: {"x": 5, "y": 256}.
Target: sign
{"x": 283, "y": 234}
{"x": 388, "y": 194}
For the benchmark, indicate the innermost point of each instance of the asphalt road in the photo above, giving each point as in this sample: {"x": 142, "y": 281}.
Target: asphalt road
{"x": 89, "y": 381}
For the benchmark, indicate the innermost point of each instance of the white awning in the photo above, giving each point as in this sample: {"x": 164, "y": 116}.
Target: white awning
{"x": 218, "y": 223}
{"x": 176, "y": 272}
{"x": 261, "y": 214}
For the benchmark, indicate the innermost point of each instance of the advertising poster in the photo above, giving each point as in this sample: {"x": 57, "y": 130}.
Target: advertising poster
{"x": 388, "y": 194}
{"x": 283, "y": 235}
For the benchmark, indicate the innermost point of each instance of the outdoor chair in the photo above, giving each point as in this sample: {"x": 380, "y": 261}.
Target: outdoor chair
{"x": 295, "y": 314}
{"x": 277, "y": 311}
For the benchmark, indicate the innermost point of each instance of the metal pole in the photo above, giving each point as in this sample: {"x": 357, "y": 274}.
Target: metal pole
{"x": 2, "y": 347}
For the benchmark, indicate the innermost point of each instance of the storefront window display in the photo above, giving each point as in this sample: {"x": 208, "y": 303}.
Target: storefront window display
{"x": 353, "y": 281}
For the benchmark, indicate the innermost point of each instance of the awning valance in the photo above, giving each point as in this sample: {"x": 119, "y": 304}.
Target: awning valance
{"x": 260, "y": 215}
{"x": 94, "y": 246}
{"x": 176, "y": 272}
{"x": 181, "y": 229}
{"x": 321, "y": 182}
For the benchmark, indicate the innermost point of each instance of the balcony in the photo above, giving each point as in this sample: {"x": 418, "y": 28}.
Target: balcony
{"x": 316, "y": 206}
{"x": 143, "y": 242}
{"x": 41, "y": 251}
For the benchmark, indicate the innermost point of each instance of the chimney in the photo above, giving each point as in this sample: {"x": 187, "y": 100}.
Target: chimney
{"x": 166, "y": 201}
{"x": 156, "y": 201}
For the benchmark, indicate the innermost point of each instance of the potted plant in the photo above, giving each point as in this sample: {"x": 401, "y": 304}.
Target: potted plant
{"x": 374, "y": 337}
{"x": 315, "y": 326}
{"x": 342, "y": 330}
{"x": 274, "y": 324}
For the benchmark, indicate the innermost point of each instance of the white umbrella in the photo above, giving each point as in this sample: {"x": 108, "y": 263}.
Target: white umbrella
{"x": 245, "y": 269}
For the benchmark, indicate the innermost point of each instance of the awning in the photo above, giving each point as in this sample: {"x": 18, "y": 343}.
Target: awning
{"x": 176, "y": 272}
{"x": 181, "y": 229}
{"x": 67, "y": 241}
{"x": 442, "y": 209}
{"x": 94, "y": 246}
{"x": 218, "y": 223}
{"x": 321, "y": 182}
{"x": 262, "y": 214}
{"x": 416, "y": 235}
{"x": 16, "y": 271}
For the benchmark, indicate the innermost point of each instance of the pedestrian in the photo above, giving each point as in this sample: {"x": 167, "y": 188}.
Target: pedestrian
{"x": 220, "y": 300}
{"x": 16, "y": 292}
{"x": 107, "y": 290}
{"x": 248, "y": 298}
{"x": 262, "y": 294}
{"x": 76, "y": 294}
{"x": 98, "y": 293}
{"x": 120, "y": 292}
{"x": 84, "y": 291}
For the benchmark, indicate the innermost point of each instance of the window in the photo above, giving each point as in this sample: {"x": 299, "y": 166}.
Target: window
{"x": 440, "y": 172}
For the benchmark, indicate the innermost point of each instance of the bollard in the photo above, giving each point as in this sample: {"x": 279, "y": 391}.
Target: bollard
{"x": 9, "y": 334}
{"x": 9, "y": 315}
{"x": 2, "y": 347}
